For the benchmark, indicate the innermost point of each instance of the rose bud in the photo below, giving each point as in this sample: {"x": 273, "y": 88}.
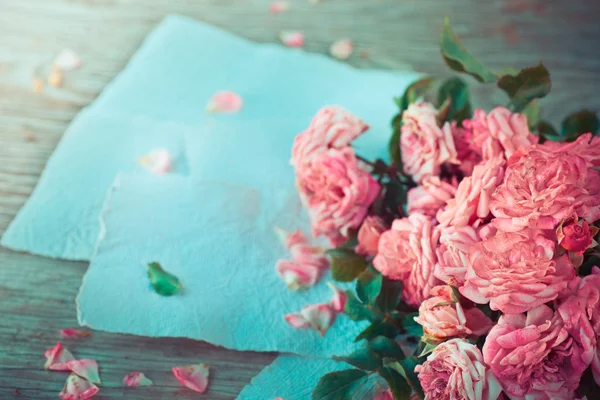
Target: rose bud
{"x": 576, "y": 236}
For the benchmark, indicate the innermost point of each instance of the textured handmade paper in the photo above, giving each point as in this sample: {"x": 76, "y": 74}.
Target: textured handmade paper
{"x": 294, "y": 378}
{"x": 218, "y": 239}
{"x": 171, "y": 78}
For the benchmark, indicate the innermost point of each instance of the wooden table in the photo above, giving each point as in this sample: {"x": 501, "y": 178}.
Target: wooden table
{"x": 36, "y": 294}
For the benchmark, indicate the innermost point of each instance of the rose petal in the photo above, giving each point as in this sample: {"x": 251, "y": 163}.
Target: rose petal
{"x": 74, "y": 333}
{"x": 295, "y": 275}
{"x": 292, "y": 38}
{"x": 85, "y": 368}
{"x": 67, "y": 60}
{"x": 57, "y": 358}
{"x": 224, "y": 102}
{"x": 193, "y": 376}
{"x": 341, "y": 49}
{"x": 338, "y": 301}
{"x": 316, "y": 316}
{"x": 136, "y": 379}
{"x": 157, "y": 161}
{"x": 278, "y": 6}
{"x": 77, "y": 388}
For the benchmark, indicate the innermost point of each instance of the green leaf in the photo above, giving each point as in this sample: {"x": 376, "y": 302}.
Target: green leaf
{"x": 400, "y": 388}
{"x": 355, "y": 310}
{"x": 386, "y": 347}
{"x": 530, "y": 83}
{"x": 580, "y": 122}
{"x": 546, "y": 131}
{"x": 346, "y": 265}
{"x": 378, "y": 328}
{"x": 459, "y": 59}
{"x": 365, "y": 359}
{"x": 457, "y": 91}
{"x": 339, "y": 385}
{"x": 532, "y": 112}
{"x": 427, "y": 348}
{"x": 368, "y": 286}
{"x": 411, "y": 327}
{"x": 395, "y": 196}
{"x": 406, "y": 369}
{"x": 394, "y": 145}
{"x": 390, "y": 295}
{"x": 164, "y": 283}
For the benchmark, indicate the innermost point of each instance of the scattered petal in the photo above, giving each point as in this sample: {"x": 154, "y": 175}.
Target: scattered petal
{"x": 74, "y": 333}
{"x": 297, "y": 276}
{"x": 85, "y": 368}
{"x": 316, "y": 316}
{"x": 342, "y": 49}
{"x": 224, "y": 102}
{"x": 278, "y": 6}
{"x": 164, "y": 283}
{"x": 338, "y": 301}
{"x": 292, "y": 38}
{"x": 136, "y": 379}
{"x": 290, "y": 239}
{"x": 55, "y": 79}
{"x": 67, "y": 60}
{"x": 77, "y": 388}
{"x": 193, "y": 376}
{"x": 57, "y": 358}
{"x": 37, "y": 84}
{"x": 157, "y": 161}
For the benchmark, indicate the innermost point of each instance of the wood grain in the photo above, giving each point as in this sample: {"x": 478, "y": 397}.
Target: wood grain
{"x": 37, "y": 294}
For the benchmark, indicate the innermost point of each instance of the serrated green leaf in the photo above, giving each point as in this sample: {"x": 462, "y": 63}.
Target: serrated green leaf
{"x": 406, "y": 369}
{"x": 459, "y": 59}
{"x": 411, "y": 327}
{"x": 399, "y": 387}
{"x": 355, "y": 310}
{"x": 583, "y": 121}
{"x": 457, "y": 91}
{"x": 378, "y": 328}
{"x": 346, "y": 265}
{"x": 529, "y": 84}
{"x": 532, "y": 112}
{"x": 390, "y": 295}
{"x": 164, "y": 283}
{"x": 386, "y": 347}
{"x": 365, "y": 359}
{"x": 339, "y": 385}
{"x": 368, "y": 286}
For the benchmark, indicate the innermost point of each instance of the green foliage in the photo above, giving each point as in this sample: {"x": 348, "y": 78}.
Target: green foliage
{"x": 457, "y": 91}
{"x": 401, "y": 390}
{"x": 339, "y": 385}
{"x": 368, "y": 286}
{"x": 164, "y": 283}
{"x": 529, "y": 84}
{"x": 386, "y": 347}
{"x": 546, "y": 131}
{"x": 411, "y": 327}
{"x": 346, "y": 265}
{"x": 532, "y": 112}
{"x": 390, "y": 295}
{"x": 357, "y": 311}
{"x": 365, "y": 359}
{"x": 574, "y": 125}
{"x": 406, "y": 369}
{"x": 459, "y": 59}
{"x": 378, "y": 328}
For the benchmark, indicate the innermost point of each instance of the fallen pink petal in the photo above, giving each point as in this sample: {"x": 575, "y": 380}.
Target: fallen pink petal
{"x": 316, "y": 316}
{"x": 224, "y": 102}
{"x": 85, "y": 368}
{"x": 292, "y": 38}
{"x": 342, "y": 49}
{"x": 77, "y": 388}
{"x": 157, "y": 161}
{"x": 290, "y": 239}
{"x": 277, "y": 7}
{"x": 295, "y": 275}
{"x": 67, "y": 60}
{"x": 74, "y": 333}
{"x": 194, "y": 376}
{"x": 136, "y": 379}
{"x": 338, "y": 301}
{"x": 57, "y": 358}
{"x": 297, "y": 320}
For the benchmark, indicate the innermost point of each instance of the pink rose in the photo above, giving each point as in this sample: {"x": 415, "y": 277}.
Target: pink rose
{"x": 516, "y": 272}
{"x": 406, "y": 253}
{"x": 471, "y": 204}
{"x": 332, "y": 127}
{"x": 499, "y": 132}
{"x": 452, "y": 253}
{"x": 368, "y": 235}
{"x": 455, "y": 370}
{"x": 531, "y": 355}
{"x": 336, "y": 192}
{"x": 443, "y": 317}
{"x": 576, "y": 236}
{"x": 430, "y": 196}
{"x": 542, "y": 189}
{"x": 423, "y": 144}
{"x": 586, "y": 146}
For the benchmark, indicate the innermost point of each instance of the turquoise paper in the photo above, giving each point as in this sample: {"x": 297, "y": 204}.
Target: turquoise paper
{"x": 170, "y": 79}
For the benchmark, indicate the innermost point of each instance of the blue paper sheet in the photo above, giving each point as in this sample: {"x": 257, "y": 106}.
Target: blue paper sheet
{"x": 170, "y": 79}
{"x": 218, "y": 239}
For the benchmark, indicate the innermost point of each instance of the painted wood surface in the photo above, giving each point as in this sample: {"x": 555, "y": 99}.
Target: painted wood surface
{"x": 37, "y": 294}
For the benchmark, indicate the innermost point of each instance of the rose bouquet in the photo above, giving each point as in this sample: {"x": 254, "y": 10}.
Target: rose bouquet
{"x": 472, "y": 250}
